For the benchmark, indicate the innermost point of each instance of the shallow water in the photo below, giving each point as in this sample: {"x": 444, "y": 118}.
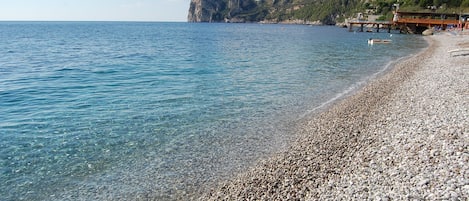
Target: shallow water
{"x": 93, "y": 110}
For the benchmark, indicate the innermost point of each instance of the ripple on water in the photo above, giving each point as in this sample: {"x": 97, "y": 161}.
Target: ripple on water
{"x": 106, "y": 110}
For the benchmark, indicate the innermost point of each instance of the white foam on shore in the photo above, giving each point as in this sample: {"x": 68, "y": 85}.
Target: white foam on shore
{"x": 406, "y": 138}
{"x": 357, "y": 86}
{"x": 360, "y": 84}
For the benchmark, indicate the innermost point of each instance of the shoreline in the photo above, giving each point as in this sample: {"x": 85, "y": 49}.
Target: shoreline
{"x": 353, "y": 90}
{"x": 404, "y": 135}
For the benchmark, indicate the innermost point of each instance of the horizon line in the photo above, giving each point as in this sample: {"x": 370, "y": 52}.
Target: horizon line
{"x": 91, "y": 21}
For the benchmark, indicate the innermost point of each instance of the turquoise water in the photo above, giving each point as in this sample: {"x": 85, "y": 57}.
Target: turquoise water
{"x": 111, "y": 110}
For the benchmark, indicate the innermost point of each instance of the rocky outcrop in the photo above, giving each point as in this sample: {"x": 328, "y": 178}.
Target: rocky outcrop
{"x": 195, "y": 11}
{"x": 270, "y": 11}
{"x": 328, "y": 12}
{"x": 202, "y": 11}
{"x": 221, "y": 10}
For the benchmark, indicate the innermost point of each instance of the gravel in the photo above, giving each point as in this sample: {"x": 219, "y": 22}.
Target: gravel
{"x": 404, "y": 136}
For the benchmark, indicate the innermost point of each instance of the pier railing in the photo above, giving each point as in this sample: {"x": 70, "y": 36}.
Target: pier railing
{"x": 428, "y": 22}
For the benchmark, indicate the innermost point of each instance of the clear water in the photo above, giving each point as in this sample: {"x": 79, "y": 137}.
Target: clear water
{"x": 92, "y": 110}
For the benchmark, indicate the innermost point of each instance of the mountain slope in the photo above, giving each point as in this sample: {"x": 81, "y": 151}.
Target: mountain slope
{"x": 307, "y": 11}
{"x": 325, "y": 11}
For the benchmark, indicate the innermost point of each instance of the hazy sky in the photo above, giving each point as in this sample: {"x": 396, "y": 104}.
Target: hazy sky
{"x": 94, "y": 10}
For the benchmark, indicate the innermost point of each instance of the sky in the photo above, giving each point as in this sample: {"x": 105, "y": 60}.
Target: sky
{"x": 94, "y": 10}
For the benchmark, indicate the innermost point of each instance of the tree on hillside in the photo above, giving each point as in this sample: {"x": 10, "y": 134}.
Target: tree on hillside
{"x": 465, "y": 3}
{"x": 425, "y": 3}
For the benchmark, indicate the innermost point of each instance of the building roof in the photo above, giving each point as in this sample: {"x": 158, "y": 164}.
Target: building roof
{"x": 427, "y": 13}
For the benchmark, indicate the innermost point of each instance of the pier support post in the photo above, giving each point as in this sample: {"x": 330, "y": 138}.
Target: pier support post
{"x": 361, "y": 27}
{"x": 377, "y": 28}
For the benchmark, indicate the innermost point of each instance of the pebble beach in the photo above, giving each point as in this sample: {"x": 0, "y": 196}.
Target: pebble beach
{"x": 403, "y": 136}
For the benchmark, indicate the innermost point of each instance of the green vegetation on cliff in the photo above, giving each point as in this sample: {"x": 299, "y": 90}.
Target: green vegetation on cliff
{"x": 319, "y": 11}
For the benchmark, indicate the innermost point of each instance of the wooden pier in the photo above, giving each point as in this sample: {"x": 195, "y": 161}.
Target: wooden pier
{"x": 376, "y": 24}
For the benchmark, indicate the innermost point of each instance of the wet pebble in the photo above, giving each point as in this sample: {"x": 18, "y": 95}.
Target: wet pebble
{"x": 404, "y": 136}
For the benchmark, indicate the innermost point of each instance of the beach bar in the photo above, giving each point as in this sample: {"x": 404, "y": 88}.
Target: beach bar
{"x": 417, "y": 22}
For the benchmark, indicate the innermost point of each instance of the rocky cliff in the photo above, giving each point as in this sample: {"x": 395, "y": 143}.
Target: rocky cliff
{"x": 305, "y": 11}
{"x": 221, "y": 10}
{"x": 270, "y": 11}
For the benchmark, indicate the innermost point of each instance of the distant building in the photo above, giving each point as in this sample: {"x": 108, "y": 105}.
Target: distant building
{"x": 417, "y": 22}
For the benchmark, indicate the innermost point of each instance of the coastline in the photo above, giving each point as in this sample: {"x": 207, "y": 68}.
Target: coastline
{"x": 402, "y": 136}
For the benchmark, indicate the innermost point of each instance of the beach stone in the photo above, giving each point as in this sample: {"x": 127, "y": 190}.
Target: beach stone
{"x": 403, "y": 136}
{"x": 424, "y": 182}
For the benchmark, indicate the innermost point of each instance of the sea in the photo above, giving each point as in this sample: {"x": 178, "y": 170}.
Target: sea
{"x": 154, "y": 110}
